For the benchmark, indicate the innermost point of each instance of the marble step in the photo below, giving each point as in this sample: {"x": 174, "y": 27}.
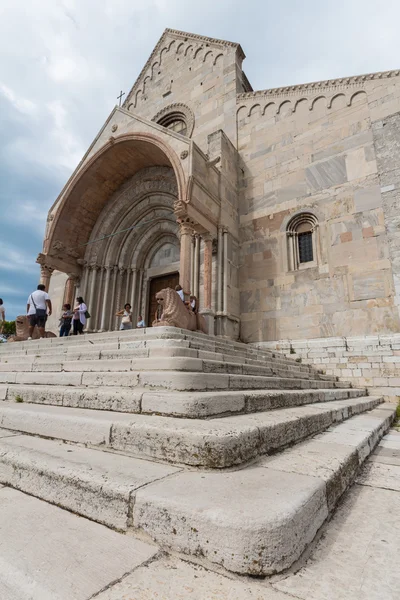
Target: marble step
{"x": 145, "y": 352}
{"x": 259, "y": 520}
{"x": 168, "y": 380}
{"x": 161, "y": 363}
{"x": 92, "y": 483}
{"x": 254, "y": 521}
{"x": 216, "y": 443}
{"x": 162, "y": 336}
{"x": 176, "y": 404}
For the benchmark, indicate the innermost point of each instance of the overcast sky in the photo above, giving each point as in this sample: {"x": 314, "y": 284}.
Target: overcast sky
{"x": 63, "y": 63}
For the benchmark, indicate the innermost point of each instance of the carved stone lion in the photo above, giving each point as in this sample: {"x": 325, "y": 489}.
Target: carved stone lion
{"x": 22, "y": 331}
{"x": 174, "y": 313}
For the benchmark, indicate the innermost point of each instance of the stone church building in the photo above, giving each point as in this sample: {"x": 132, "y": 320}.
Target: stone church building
{"x": 278, "y": 208}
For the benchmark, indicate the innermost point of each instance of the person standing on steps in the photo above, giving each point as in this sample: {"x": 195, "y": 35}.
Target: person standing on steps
{"x": 2, "y": 315}
{"x": 80, "y": 315}
{"x": 66, "y": 321}
{"x": 140, "y": 322}
{"x": 38, "y": 308}
{"x": 126, "y": 314}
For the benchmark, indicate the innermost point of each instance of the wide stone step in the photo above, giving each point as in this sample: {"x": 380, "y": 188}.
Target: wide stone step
{"x": 168, "y": 380}
{"x": 162, "y": 336}
{"x": 77, "y": 353}
{"x": 177, "y": 404}
{"x": 259, "y": 520}
{"x": 96, "y": 484}
{"x": 216, "y": 443}
{"x": 161, "y": 363}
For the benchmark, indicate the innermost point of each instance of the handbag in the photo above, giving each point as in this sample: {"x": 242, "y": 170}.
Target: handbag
{"x": 126, "y": 320}
{"x": 87, "y": 314}
{"x": 40, "y": 312}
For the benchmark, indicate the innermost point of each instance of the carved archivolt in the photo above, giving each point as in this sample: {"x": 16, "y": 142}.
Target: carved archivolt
{"x": 135, "y": 210}
{"x": 178, "y": 111}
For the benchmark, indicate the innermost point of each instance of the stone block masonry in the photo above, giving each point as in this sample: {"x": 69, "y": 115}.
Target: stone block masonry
{"x": 371, "y": 361}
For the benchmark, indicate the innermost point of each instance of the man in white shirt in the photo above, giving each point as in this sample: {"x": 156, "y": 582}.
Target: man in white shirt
{"x": 2, "y": 315}
{"x": 38, "y": 308}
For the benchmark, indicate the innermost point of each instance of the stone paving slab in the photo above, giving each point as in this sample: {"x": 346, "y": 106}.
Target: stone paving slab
{"x": 50, "y": 554}
{"x": 256, "y": 520}
{"x": 174, "y": 579}
{"x": 95, "y": 484}
{"x": 357, "y": 557}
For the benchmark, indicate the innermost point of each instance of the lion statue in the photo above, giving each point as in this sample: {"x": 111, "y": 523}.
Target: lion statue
{"x": 175, "y": 313}
{"x": 22, "y": 331}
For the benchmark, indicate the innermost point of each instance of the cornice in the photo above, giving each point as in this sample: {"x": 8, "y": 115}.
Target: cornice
{"x": 317, "y": 86}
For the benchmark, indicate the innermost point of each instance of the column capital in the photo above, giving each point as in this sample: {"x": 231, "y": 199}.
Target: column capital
{"x": 207, "y": 237}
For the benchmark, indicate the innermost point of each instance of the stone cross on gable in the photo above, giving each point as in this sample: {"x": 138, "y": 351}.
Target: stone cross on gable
{"x": 120, "y": 97}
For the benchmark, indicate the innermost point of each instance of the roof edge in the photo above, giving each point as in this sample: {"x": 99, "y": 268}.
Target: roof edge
{"x": 318, "y": 85}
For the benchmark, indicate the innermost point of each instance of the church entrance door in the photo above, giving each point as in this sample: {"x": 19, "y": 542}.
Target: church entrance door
{"x": 157, "y": 284}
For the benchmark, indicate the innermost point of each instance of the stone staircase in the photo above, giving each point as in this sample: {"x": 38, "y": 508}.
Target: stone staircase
{"x": 212, "y": 448}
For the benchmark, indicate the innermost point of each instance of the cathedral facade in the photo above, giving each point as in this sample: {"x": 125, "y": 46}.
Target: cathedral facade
{"x": 279, "y": 209}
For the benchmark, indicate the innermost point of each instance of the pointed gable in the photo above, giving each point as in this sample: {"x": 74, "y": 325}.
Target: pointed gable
{"x": 186, "y": 46}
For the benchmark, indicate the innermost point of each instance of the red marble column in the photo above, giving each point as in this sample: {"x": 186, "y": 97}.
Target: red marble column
{"x": 186, "y": 231}
{"x": 207, "y": 239}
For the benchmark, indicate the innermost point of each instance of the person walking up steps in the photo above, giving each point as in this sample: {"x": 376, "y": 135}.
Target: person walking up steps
{"x": 79, "y": 318}
{"x": 2, "y": 315}
{"x": 38, "y": 308}
{"x": 66, "y": 320}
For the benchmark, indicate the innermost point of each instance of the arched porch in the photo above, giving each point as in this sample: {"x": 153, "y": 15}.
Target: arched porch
{"x": 123, "y": 219}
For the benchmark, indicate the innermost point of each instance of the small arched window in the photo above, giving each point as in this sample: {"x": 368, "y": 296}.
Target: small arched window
{"x": 302, "y": 241}
{"x": 178, "y": 117}
{"x": 175, "y": 121}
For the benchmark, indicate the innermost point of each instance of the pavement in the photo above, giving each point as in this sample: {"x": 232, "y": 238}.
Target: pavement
{"x": 47, "y": 553}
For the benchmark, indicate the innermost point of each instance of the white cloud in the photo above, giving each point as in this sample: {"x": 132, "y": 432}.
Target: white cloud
{"x": 22, "y": 105}
{"x": 63, "y": 63}
{"x": 15, "y": 260}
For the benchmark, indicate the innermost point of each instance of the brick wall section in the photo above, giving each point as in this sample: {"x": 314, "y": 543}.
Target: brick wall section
{"x": 371, "y": 361}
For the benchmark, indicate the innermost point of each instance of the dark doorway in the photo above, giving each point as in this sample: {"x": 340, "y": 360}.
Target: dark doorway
{"x": 157, "y": 284}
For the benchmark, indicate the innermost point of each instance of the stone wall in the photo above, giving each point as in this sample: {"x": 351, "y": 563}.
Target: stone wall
{"x": 372, "y": 362}
{"x": 323, "y": 149}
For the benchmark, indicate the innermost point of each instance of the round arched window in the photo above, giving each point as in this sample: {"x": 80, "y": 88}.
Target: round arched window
{"x": 174, "y": 121}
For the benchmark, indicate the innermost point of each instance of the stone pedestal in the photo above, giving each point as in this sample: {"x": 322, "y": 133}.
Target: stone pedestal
{"x": 209, "y": 317}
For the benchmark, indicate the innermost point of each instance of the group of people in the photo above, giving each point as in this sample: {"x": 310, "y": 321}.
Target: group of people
{"x": 39, "y": 308}
{"x": 2, "y": 315}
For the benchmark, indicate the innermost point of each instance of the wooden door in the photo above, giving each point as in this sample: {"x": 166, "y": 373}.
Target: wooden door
{"x": 157, "y": 284}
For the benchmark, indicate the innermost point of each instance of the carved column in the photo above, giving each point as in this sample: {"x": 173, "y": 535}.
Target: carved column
{"x": 45, "y": 275}
{"x": 220, "y": 270}
{"x": 69, "y": 292}
{"x": 134, "y": 303}
{"x": 106, "y": 299}
{"x": 207, "y": 239}
{"x": 226, "y": 272}
{"x": 111, "y": 303}
{"x": 90, "y": 301}
{"x": 186, "y": 231}
{"x": 196, "y": 265}
{"x": 120, "y": 281}
{"x": 192, "y": 264}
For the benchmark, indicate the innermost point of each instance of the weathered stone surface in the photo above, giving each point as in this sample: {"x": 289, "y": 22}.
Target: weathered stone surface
{"x": 223, "y": 516}
{"x": 357, "y": 557}
{"x": 50, "y": 554}
{"x": 173, "y": 579}
{"x": 97, "y": 485}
